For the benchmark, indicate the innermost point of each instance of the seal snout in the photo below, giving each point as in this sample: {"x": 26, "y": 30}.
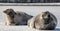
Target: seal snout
{"x": 4, "y": 11}
{"x": 46, "y": 14}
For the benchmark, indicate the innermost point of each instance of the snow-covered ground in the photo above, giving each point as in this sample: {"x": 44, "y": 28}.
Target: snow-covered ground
{"x": 32, "y": 10}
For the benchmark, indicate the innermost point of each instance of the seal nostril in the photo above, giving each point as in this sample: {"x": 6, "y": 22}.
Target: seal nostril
{"x": 4, "y": 11}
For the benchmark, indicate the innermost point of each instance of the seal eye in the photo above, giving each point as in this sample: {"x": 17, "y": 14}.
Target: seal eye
{"x": 48, "y": 15}
{"x": 9, "y": 13}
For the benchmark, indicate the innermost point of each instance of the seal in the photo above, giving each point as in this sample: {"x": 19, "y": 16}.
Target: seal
{"x": 22, "y": 18}
{"x": 43, "y": 21}
{"x": 16, "y": 18}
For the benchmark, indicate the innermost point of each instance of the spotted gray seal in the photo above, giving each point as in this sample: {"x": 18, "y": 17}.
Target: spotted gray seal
{"x": 16, "y": 18}
{"x": 43, "y": 21}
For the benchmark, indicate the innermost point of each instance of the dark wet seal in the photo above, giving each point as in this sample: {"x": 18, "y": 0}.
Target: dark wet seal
{"x": 43, "y": 21}
{"x": 16, "y": 18}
